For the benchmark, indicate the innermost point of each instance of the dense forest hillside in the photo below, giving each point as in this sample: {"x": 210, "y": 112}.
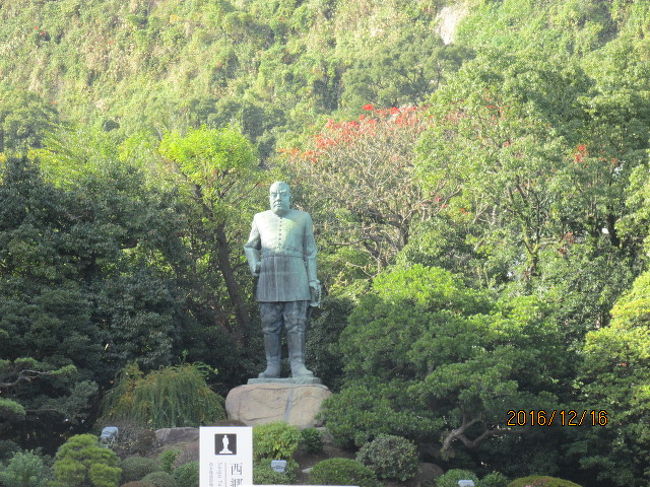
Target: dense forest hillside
{"x": 481, "y": 206}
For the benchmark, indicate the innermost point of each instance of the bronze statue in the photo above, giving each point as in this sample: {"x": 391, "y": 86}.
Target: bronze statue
{"x": 281, "y": 250}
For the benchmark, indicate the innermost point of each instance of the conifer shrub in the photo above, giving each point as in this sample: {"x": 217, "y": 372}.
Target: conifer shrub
{"x": 187, "y": 475}
{"x": 135, "y": 468}
{"x": 165, "y": 398}
{"x": 342, "y": 471}
{"x": 81, "y": 461}
{"x": 451, "y": 477}
{"x": 167, "y": 459}
{"x": 160, "y": 479}
{"x": 25, "y": 469}
{"x": 541, "y": 481}
{"x": 390, "y": 457}
{"x": 278, "y": 441}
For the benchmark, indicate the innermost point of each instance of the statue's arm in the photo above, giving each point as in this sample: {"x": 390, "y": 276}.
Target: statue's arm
{"x": 309, "y": 246}
{"x": 253, "y": 250}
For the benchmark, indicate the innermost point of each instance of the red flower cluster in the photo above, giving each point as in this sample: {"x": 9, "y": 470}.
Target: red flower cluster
{"x": 581, "y": 153}
{"x": 367, "y": 125}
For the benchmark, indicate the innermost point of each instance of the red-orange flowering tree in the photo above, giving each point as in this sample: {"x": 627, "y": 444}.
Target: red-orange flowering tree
{"x": 360, "y": 172}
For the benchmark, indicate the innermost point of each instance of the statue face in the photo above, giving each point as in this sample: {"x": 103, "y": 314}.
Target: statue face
{"x": 279, "y": 198}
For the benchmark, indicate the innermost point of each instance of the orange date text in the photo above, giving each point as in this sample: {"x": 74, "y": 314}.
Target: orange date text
{"x": 560, "y": 417}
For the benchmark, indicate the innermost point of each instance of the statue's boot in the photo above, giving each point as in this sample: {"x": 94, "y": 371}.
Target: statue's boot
{"x": 296, "y": 342}
{"x": 272, "y": 351}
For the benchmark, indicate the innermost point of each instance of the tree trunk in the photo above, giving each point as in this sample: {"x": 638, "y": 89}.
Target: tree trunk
{"x": 234, "y": 291}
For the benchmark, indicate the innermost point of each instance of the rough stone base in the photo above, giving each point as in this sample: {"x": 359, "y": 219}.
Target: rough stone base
{"x": 296, "y": 404}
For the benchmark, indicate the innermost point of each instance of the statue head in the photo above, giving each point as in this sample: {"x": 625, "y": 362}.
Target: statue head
{"x": 279, "y": 197}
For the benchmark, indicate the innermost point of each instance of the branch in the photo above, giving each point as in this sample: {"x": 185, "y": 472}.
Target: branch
{"x": 25, "y": 375}
{"x": 459, "y": 434}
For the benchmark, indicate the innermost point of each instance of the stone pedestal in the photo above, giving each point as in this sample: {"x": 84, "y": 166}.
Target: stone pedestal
{"x": 286, "y": 380}
{"x": 259, "y": 403}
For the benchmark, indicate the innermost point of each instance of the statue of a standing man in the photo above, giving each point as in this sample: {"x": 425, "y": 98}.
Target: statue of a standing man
{"x": 281, "y": 250}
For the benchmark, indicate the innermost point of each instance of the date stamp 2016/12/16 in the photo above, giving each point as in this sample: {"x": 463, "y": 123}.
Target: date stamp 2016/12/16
{"x": 559, "y": 417}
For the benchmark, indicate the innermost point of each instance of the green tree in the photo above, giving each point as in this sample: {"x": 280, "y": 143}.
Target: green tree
{"x": 423, "y": 345}
{"x": 501, "y": 131}
{"x": 217, "y": 171}
{"x": 36, "y": 390}
{"x": 614, "y": 379}
{"x": 24, "y": 119}
{"x": 375, "y": 217}
{"x": 78, "y": 285}
{"x": 402, "y": 72}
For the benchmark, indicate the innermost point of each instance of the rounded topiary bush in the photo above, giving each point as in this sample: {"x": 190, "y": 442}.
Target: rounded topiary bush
{"x": 276, "y": 440}
{"x": 342, "y": 471}
{"x": 451, "y": 477}
{"x": 137, "y": 483}
{"x": 390, "y": 457}
{"x": 187, "y": 475}
{"x": 81, "y": 462}
{"x": 541, "y": 481}
{"x": 160, "y": 479}
{"x": 134, "y": 468}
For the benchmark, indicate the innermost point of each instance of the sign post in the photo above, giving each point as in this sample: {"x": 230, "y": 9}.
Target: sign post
{"x": 226, "y": 456}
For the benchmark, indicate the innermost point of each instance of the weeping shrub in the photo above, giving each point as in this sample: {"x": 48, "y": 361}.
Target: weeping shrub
{"x": 169, "y": 397}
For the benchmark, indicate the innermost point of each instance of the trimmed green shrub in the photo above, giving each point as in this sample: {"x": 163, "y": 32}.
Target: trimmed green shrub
{"x": 263, "y": 474}
{"x": 451, "y": 477}
{"x": 541, "y": 481}
{"x": 390, "y": 457}
{"x": 289, "y": 475}
{"x": 135, "y": 468}
{"x": 137, "y": 483}
{"x": 25, "y": 469}
{"x": 342, "y": 471}
{"x": 278, "y": 441}
{"x": 81, "y": 461}
{"x": 187, "y": 475}
{"x": 494, "y": 479}
{"x": 167, "y": 458}
{"x": 311, "y": 440}
{"x": 160, "y": 479}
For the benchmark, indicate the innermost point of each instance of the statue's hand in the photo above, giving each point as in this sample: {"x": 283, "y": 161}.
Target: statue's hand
{"x": 315, "y": 292}
{"x": 256, "y": 272}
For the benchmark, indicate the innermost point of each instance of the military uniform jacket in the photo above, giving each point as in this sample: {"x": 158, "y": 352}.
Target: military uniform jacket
{"x": 285, "y": 247}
